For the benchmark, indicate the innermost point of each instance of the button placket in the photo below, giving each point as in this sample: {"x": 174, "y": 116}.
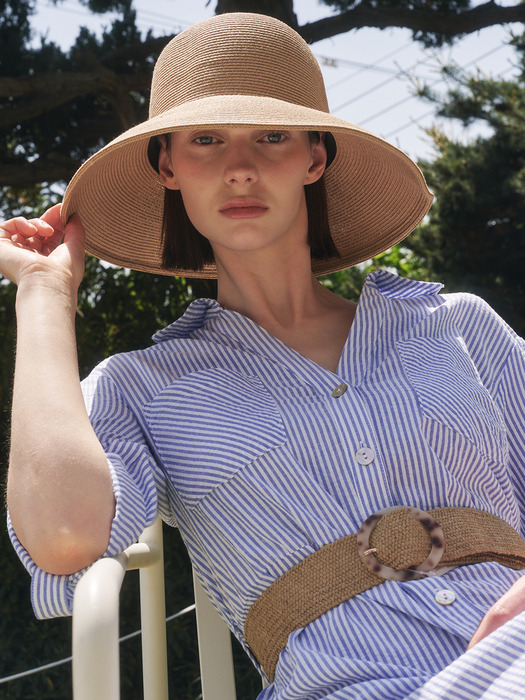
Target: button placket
{"x": 350, "y": 417}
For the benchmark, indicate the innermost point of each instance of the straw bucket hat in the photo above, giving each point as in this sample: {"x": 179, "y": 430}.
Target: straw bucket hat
{"x": 243, "y": 70}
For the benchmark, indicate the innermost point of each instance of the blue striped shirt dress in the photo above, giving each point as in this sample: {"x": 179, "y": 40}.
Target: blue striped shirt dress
{"x": 260, "y": 457}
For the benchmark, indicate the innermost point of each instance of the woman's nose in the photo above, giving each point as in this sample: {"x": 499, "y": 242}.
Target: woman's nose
{"x": 240, "y": 167}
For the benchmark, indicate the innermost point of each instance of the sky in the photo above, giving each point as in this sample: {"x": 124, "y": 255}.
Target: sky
{"x": 370, "y": 75}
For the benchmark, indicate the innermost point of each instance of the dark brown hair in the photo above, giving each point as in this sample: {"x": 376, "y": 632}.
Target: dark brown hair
{"x": 184, "y": 248}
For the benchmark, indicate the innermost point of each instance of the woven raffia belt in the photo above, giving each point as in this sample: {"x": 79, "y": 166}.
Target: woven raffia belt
{"x": 399, "y": 543}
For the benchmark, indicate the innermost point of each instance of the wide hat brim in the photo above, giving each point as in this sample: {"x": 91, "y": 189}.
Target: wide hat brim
{"x": 376, "y": 193}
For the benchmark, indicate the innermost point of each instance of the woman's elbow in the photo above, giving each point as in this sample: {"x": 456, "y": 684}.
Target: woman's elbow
{"x": 65, "y": 553}
{"x": 64, "y": 543}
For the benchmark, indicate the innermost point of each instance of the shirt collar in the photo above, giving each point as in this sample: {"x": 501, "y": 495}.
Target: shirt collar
{"x": 202, "y": 312}
{"x": 392, "y": 286}
{"x": 198, "y": 313}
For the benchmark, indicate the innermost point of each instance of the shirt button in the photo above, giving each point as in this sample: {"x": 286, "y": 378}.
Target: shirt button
{"x": 339, "y": 391}
{"x": 445, "y": 597}
{"x": 365, "y": 455}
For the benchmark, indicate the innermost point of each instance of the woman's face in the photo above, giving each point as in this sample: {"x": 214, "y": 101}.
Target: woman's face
{"x": 243, "y": 189}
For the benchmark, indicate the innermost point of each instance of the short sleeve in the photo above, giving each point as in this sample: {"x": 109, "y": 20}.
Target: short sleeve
{"x": 132, "y": 469}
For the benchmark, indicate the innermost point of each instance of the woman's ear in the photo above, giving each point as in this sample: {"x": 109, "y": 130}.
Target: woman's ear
{"x": 167, "y": 176}
{"x": 318, "y": 164}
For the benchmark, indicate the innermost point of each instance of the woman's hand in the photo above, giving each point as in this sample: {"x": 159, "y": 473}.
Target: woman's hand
{"x": 507, "y": 607}
{"x": 45, "y": 246}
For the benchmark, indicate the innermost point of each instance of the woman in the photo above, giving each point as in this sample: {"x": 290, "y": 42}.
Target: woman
{"x": 270, "y": 424}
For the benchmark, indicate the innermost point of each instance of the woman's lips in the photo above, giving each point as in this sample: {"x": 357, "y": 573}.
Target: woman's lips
{"x": 243, "y": 209}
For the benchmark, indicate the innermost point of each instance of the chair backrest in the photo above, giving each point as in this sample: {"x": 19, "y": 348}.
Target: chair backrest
{"x": 96, "y": 672}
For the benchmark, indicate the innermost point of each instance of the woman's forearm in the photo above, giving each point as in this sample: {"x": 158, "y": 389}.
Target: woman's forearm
{"x": 60, "y": 495}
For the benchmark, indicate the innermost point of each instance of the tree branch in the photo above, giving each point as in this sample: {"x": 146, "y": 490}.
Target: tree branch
{"x": 418, "y": 20}
{"x": 46, "y": 92}
{"x": 54, "y": 168}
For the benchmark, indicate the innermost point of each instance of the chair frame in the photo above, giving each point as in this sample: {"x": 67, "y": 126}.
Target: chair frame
{"x": 96, "y": 672}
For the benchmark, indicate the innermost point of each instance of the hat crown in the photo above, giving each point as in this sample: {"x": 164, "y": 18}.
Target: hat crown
{"x": 237, "y": 54}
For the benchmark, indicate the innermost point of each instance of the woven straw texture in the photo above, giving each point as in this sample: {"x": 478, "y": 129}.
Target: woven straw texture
{"x": 250, "y": 71}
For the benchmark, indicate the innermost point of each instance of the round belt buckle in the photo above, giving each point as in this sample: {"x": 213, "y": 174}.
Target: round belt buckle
{"x": 366, "y": 552}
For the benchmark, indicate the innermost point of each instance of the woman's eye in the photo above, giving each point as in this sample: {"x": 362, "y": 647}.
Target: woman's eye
{"x": 204, "y": 140}
{"x": 275, "y": 137}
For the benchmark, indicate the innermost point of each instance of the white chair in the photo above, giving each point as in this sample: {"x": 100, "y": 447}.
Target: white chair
{"x": 96, "y": 624}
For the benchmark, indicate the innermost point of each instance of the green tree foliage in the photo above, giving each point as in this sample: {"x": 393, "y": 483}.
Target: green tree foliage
{"x": 57, "y": 107}
{"x": 432, "y": 22}
{"x": 475, "y": 236}
{"x": 400, "y": 259}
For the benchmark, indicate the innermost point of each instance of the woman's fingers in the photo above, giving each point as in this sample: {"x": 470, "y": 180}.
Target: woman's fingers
{"x": 33, "y": 243}
{"x": 50, "y": 227}
{"x": 43, "y": 244}
{"x": 75, "y": 231}
{"x": 503, "y": 610}
{"x": 43, "y": 229}
{"x": 52, "y": 218}
{"x": 72, "y": 233}
{"x": 41, "y": 235}
{"x": 26, "y": 233}
{"x": 17, "y": 227}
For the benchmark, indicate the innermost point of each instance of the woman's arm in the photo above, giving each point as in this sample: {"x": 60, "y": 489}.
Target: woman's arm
{"x": 59, "y": 489}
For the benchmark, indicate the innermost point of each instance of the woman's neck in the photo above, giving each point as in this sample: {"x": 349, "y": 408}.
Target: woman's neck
{"x": 294, "y": 307}
{"x": 274, "y": 293}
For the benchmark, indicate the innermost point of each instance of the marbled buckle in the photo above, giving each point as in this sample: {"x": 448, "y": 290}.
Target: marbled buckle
{"x": 366, "y": 552}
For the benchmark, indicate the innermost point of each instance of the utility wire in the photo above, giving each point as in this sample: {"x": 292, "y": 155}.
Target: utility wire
{"x": 365, "y": 66}
{"x": 434, "y": 82}
{"x": 336, "y": 62}
{"x": 54, "y": 664}
{"x": 355, "y": 98}
{"x": 415, "y": 122}
{"x": 398, "y": 73}
{"x": 145, "y": 20}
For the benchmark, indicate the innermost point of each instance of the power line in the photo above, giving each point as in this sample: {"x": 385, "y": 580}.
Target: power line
{"x": 366, "y": 67}
{"x": 68, "y": 659}
{"x": 414, "y": 122}
{"x": 397, "y": 73}
{"x": 434, "y": 82}
{"x": 336, "y": 62}
{"x": 146, "y": 19}
{"x": 355, "y": 98}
